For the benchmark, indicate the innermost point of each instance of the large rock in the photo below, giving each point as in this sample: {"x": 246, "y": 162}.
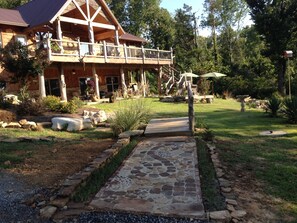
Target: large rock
{"x": 30, "y": 125}
{"x": 221, "y": 216}
{"x": 13, "y": 99}
{"x": 70, "y": 124}
{"x": 14, "y": 125}
{"x": 95, "y": 117}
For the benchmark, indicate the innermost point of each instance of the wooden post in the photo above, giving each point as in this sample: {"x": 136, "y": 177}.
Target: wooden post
{"x": 49, "y": 47}
{"x": 191, "y": 109}
{"x": 63, "y": 84}
{"x": 142, "y": 81}
{"x": 143, "y": 54}
{"x": 105, "y": 51}
{"x": 124, "y": 87}
{"x": 160, "y": 80}
{"x": 171, "y": 55}
{"x": 60, "y": 35}
{"x": 158, "y": 55}
{"x": 42, "y": 91}
{"x": 125, "y": 53}
{"x": 96, "y": 80}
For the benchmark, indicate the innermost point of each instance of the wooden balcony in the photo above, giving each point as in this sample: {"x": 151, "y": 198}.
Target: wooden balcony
{"x": 76, "y": 51}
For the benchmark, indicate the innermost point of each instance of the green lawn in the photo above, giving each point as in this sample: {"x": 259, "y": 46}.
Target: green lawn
{"x": 270, "y": 160}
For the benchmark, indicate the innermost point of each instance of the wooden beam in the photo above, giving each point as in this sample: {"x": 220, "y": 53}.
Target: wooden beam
{"x": 73, "y": 20}
{"x": 104, "y": 26}
{"x": 79, "y": 8}
{"x": 88, "y": 10}
{"x": 104, "y": 35}
{"x": 60, "y": 11}
{"x": 95, "y": 14}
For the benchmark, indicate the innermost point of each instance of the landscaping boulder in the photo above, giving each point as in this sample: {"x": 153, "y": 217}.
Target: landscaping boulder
{"x": 70, "y": 124}
{"x": 12, "y": 99}
{"x": 14, "y": 125}
{"x": 30, "y": 125}
{"x": 96, "y": 117}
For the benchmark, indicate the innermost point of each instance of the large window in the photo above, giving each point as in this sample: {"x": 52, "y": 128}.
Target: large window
{"x": 112, "y": 83}
{"x": 22, "y": 39}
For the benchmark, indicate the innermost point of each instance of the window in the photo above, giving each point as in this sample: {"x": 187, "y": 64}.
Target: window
{"x": 22, "y": 39}
{"x": 52, "y": 87}
{"x": 1, "y": 43}
{"x": 112, "y": 83}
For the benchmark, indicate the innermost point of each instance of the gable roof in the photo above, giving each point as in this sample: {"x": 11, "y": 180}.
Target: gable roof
{"x": 130, "y": 37}
{"x": 39, "y": 12}
{"x": 12, "y": 17}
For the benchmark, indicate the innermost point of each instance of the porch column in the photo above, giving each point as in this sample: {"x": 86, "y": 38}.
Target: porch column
{"x": 142, "y": 81}
{"x": 63, "y": 84}
{"x": 59, "y": 34}
{"x": 117, "y": 41}
{"x": 96, "y": 80}
{"x": 91, "y": 38}
{"x": 160, "y": 80}
{"x": 124, "y": 87}
{"x": 42, "y": 91}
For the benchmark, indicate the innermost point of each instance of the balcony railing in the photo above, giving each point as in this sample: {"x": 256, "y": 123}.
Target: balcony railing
{"x": 59, "y": 50}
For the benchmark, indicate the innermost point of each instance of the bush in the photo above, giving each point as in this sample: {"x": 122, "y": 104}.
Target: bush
{"x": 207, "y": 135}
{"x": 68, "y": 107}
{"x": 76, "y": 100}
{"x": 52, "y": 103}
{"x": 273, "y": 105}
{"x": 130, "y": 116}
{"x": 290, "y": 109}
{"x": 30, "y": 107}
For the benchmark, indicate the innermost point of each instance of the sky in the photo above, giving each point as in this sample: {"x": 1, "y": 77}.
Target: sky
{"x": 197, "y": 6}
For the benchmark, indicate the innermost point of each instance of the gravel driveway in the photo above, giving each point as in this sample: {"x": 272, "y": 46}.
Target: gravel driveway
{"x": 12, "y": 193}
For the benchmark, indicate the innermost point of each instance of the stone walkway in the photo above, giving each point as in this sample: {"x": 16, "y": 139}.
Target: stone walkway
{"x": 160, "y": 177}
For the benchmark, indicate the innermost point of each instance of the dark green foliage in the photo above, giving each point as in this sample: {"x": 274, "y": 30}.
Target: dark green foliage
{"x": 16, "y": 59}
{"x": 100, "y": 176}
{"x": 30, "y": 107}
{"x": 290, "y": 109}
{"x": 12, "y": 3}
{"x": 274, "y": 105}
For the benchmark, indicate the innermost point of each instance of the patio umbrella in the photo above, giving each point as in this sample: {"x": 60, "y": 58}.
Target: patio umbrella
{"x": 213, "y": 75}
{"x": 189, "y": 75}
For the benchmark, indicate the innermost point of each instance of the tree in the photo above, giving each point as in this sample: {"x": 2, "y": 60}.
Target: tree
{"x": 12, "y": 3}
{"x": 276, "y": 21}
{"x": 16, "y": 59}
{"x": 185, "y": 42}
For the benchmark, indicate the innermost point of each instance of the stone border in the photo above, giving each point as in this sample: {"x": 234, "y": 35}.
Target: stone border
{"x": 71, "y": 183}
{"x": 233, "y": 212}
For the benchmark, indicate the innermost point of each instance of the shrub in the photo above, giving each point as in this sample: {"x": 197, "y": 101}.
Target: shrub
{"x": 200, "y": 123}
{"x": 290, "y": 109}
{"x": 30, "y": 107}
{"x": 273, "y": 105}
{"x": 52, "y": 103}
{"x": 79, "y": 103}
{"x": 68, "y": 107}
{"x": 130, "y": 116}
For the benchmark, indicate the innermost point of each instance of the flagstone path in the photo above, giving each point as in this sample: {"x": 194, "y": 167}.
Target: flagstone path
{"x": 160, "y": 177}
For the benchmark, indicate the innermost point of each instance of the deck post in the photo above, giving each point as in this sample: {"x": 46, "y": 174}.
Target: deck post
{"x": 142, "y": 81}
{"x": 171, "y": 55}
{"x": 191, "y": 109}
{"x": 124, "y": 87}
{"x": 63, "y": 84}
{"x": 60, "y": 35}
{"x": 160, "y": 80}
{"x": 125, "y": 53}
{"x": 42, "y": 91}
{"x": 105, "y": 51}
{"x": 158, "y": 55}
{"x": 143, "y": 54}
{"x": 49, "y": 47}
{"x": 96, "y": 80}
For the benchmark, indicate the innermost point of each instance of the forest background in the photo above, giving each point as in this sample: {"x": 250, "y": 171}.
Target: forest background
{"x": 252, "y": 56}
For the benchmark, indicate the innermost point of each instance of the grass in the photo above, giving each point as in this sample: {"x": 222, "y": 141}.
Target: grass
{"x": 17, "y": 152}
{"x": 270, "y": 160}
{"x": 212, "y": 199}
{"x": 100, "y": 176}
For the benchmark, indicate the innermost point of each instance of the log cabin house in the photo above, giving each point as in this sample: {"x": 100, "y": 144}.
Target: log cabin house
{"x": 85, "y": 44}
